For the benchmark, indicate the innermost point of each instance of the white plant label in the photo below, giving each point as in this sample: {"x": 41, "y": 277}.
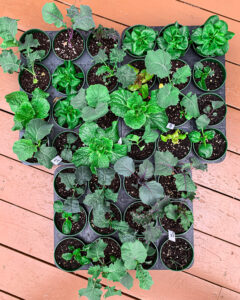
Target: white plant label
{"x": 56, "y": 160}
{"x": 120, "y": 141}
{"x": 170, "y": 126}
{"x": 171, "y": 236}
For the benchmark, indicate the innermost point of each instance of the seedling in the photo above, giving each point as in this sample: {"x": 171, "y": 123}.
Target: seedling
{"x": 78, "y": 254}
{"x": 133, "y": 139}
{"x": 202, "y": 73}
{"x": 67, "y": 152}
{"x": 174, "y": 137}
{"x": 210, "y": 110}
{"x": 101, "y": 33}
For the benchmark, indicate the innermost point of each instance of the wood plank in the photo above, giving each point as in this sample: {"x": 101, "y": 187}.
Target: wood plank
{"x": 232, "y": 128}
{"x": 4, "y": 296}
{"x": 230, "y": 9}
{"x": 228, "y": 295}
{"x": 185, "y": 14}
{"x": 233, "y": 85}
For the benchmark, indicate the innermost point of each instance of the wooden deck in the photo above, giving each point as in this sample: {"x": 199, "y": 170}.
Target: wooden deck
{"x": 27, "y": 269}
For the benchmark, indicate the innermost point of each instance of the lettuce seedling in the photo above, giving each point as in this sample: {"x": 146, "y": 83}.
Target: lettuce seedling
{"x": 174, "y": 137}
{"x": 139, "y": 40}
{"x": 101, "y": 147}
{"x": 202, "y": 73}
{"x": 205, "y": 150}
{"x": 212, "y": 38}
{"x": 25, "y": 109}
{"x": 78, "y": 254}
{"x": 174, "y": 40}
{"x": 33, "y": 143}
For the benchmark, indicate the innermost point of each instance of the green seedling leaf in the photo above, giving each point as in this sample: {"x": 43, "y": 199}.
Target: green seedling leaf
{"x": 24, "y": 149}
{"x": 125, "y": 166}
{"x": 111, "y": 291}
{"x": 202, "y": 122}
{"x": 83, "y": 20}
{"x": 9, "y": 61}
{"x": 52, "y": 15}
{"x": 8, "y": 31}
{"x": 96, "y": 250}
{"x": 150, "y": 191}
{"x": 93, "y": 290}
{"x": 45, "y": 155}
{"x": 190, "y": 103}
{"x": 37, "y": 130}
{"x": 133, "y": 253}
{"x": 126, "y": 75}
{"x": 164, "y": 163}
{"x": 145, "y": 280}
{"x": 158, "y": 63}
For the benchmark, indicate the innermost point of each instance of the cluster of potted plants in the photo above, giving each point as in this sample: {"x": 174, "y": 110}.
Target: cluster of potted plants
{"x": 119, "y": 132}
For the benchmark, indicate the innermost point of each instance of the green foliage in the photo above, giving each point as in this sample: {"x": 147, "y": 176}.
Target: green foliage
{"x": 202, "y": 73}
{"x": 190, "y": 103}
{"x": 9, "y": 61}
{"x": 158, "y": 63}
{"x": 67, "y": 152}
{"x": 104, "y": 33}
{"x": 167, "y": 95}
{"x": 145, "y": 279}
{"x": 133, "y": 139}
{"x": 95, "y": 250}
{"x": 66, "y": 79}
{"x": 133, "y": 253}
{"x": 174, "y": 40}
{"x": 78, "y": 254}
{"x": 52, "y": 15}
{"x": 174, "y": 137}
{"x": 82, "y": 20}
{"x": 125, "y": 75}
{"x": 211, "y": 39}
{"x": 8, "y": 31}
{"x": 211, "y": 109}
{"x": 93, "y": 290}
{"x": 139, "y": 40}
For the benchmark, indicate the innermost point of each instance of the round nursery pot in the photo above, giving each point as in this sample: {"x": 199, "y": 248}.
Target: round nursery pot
{"x": 136, "y": 153}
{"x": 61, "y": 248}
{"x": 174, "y": 224}
{"x": 43, "y": 39}
{"x": 61, "y": 39}
{"x": 127, "y": 216}
{"x": 113, "y": 83}
{"x": 213, "y": 158}
{"x": 113, "y": 249}
{"x": 170, "y": 246}
{"x": 25, "y": 79}
{"x": 218, "y": 67}
{"x": 77, "y": 226}
{"x": 105, "y": 231}
{"x": 58, "y": 185}
{"x": 128, "y": 51}
{"x": 176, "y": 63}
{"x": 222, "y": 111}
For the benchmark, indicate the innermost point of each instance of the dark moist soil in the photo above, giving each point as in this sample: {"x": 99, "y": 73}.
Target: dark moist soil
{"x": 105, "y": 231}
{"x": 106, "y": 44}
{"x": 130, "y": 183}
{"x": 114, "y": 186}
{"x": 43, "y": 40}
{"x": 26, "y": 79}
{"x": 169, "y": 186}
{"x": 60, "y": 187}
{"x": 136, "y": 153}
{"x": 205, "y": 101}
{"x": 76, "y": 226}
{"x": 140, "y": 65}
{"x": 128, "y": 216}
{"x": 106, "y": 121}
{"x": 150, "y": 260}
{"x": 61, "y": 140}
{"x": 64, "y": 49}
{"x": 173, "y": 113}
{"x": 219, "y": 146}
{"x": 176, "y": 64}
{"x": 63, "y": 248}
{"x": 217, "y": 79}
{"x": 179, "y": 150}
{"x": 94, "y": 79}
{"x": 179, "y": 251}
{"x": 169, "y": 224}
{"x": 112, "y": 249}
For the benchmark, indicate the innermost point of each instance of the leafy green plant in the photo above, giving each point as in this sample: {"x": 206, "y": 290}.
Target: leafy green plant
{"x": 174, "y": 137}
{"x": 33, "y": 143}
{"x": 66, "y": 78}
{"x": 78, "y": 254}
{"x": 174, "y": 40}
{"x": 139, "y": 39}
{"x": 101, "y": 33}
{"x": 210, "y": 109}
{"x": 67, "y": 152}
{"x": 212, "y": 38}
{"x": 25, "y": 109}
{"x": 101, "y": 147}
{"x": 202, "y": 136}
{"x": 202, "y": 73}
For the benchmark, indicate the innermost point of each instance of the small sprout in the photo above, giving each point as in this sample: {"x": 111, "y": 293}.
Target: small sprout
{"x": 202, "y": 73}
{"x": 174, "y": 137}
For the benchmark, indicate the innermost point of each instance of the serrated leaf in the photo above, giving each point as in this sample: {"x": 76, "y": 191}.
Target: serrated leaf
{"x": 126, "y": 75}
{"x": 115, "y": 271}
{"x": 93, "y": 290}
{"x": 164, "y": 163}
{"x": 44, "y": 155}
{"x": 145, "y": 279}
{"x": 111, "y": 291}
{"x": 8, "y": 31}
{"x": 29, "y": 43}
{"x": 158, "y": 63}
{"x": 83, "y": 20}
{"x": 190, "y": 103}
{"x": 96, "y": 250}
{"x": 69, "y": 179}
{"x": 9, "y": 61}
{"x": 181, "y": 75}
{"x": 168, "y": 95}
{"x": 52, "y": 15}
{"x": 133, "y": 253}
{"x": 101, "y": 57}
{"x": 24, "y": 149}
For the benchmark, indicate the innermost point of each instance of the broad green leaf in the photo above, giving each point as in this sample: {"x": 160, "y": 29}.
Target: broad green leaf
{"x": 24, "y": 149}
{"x": 99, "y": 219}
{"x": 69, "y": 179}
{"x": 66, "y": 154}
{"x": 125, "y": 166}
{"x": 111, "y": 291}
{"x": 164, "y": 163}
{"x": 126, "y": 75}
{"x": 15, "y": 99}
{"x": 127, "y": 281}
{"x": 94, "y": 199}
{"x": 87, "y": 132}
{"x": 41, "y": 107}
{"x": 95, "y": 271}
{"x": 158, "y": 63}
{"x": 71, "y": 206}
{"x": 67, "y": 227}
{"x": 184, "y": 183}
{"x": 9, "y": 61}
{"x": 79, "y": 101}
{"x": 29, "y": 43}
{"x": 202, "y": 122}
{"x": 150, "y": 135}
{"x": 119, "y": 151}
{"x": 190, "y": 103}
{"x": 96, "y": 250}
{"x": 205, "y": 151}
{"x": 83, "y": 20}
{"x": 110, "y": 195}
{"x": 181, "y": 75}
{"x": 8, "y": 31}
{"x": 83, "y": 174}
{"x": 67, "y": 256}
{"x": 133, "y": 253}
{"x": 105, "y": 176}
{"x": 146, "y": 169}
{"x": 24, "y": 113}
{"x": 90, "y": 114}
{"x": 168, "y": 95}
{"x": 145, "y": 279}
{"x": 217, "y": 104}
{"x": 97, "y": 93}
{"x": 58, "y": 206}
{"x": 52, "y": 15}
{"x": 119, "y": 102}
{"x": 115, "y": 271}
{"x": 44, "y": 156}
{"x": 150, "y": 191}
{"x": 171, "y": 211}
{"x": 112, "y": 132}
{"x": 37, "y": 129}
{"x": 93, "y": 290}
{"x": 134, "y": 120}
{"x": 194, "y": 136}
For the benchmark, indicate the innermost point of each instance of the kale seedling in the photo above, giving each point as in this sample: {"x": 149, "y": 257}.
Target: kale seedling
{"x": 174, "y": 137}
{"x": 210, "y": 109}
{"x": 102, "y": 33}
{"x": 78, "y": 254}
{"x": 202, "y": 73}
{"x": 67, "y": 152}
{"x": 133, "y": 139}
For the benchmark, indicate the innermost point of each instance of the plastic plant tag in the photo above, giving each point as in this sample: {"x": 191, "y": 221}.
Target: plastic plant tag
{"x": 171, "y": 236}
{"x": 56, "y": 160}
{"x": 120, "y": 141}
{"x": 170, "y": 126}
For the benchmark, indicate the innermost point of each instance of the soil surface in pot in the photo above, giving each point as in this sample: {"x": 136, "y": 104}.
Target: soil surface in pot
{"x": 95, "y": 79}
{"x": 68, "y": 50}
{"x": 179, "y": 150}
{"x": 43, "y": 40}
{"x": 114, "y": 186}
{"x": 115, "y": 216}
{"x": 26, "y": 79}
{"x": 150, "y": 260}
{"x": 175, "y": 226}
{"x": 61, "y": 188}
{"x": 63, "y": 248}
{"x": 177, "y": 255}
{"x": 169, "y": 186}
{"x": 95, "y": 45}
{"x": 205, "y": 101}
{"x": 176, "y": 64}
{"x": 61, "y": 141}
{"x": 132, "y": 185}
{"x": 219, "y": 146}
{"x": 174, "y": 116}
{"x": 129, "y": 219}
{"x": 138, "y": 154}
{"x": 76, "y": 226}
{"x": 112, "y": 249}
{"x": 140, "y": 65}
{"x": 217, "y": 79}
{"x": 106, "y": 121}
